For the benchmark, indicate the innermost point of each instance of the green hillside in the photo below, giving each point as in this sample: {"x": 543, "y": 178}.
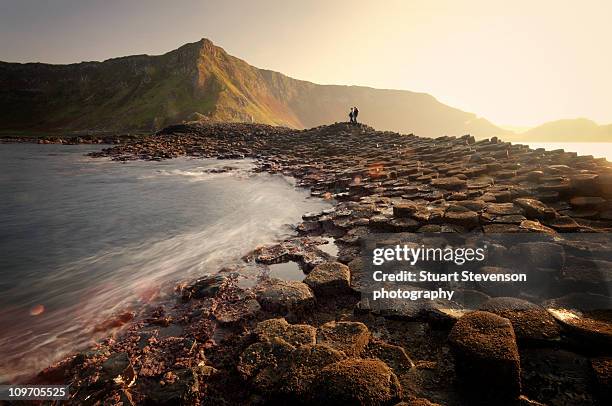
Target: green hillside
{"x": 200, "y": 81}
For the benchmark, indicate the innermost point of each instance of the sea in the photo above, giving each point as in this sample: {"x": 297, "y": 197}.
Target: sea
{"x": 596, "y": 149}
{"x": 83, "y": 240}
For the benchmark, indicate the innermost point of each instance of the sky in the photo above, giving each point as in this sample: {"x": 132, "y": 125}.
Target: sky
{"x": 518, "y": 63}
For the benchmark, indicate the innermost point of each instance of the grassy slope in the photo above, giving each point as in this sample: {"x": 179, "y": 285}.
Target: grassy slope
{"x": 145, "y": 93}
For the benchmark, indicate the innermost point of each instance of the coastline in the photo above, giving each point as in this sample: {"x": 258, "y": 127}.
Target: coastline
{"x": 445, "y": 185}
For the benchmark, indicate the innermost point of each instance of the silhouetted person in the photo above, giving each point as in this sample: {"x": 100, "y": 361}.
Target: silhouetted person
{"x": 355, "y": 114}
{"x": 351, "y": 116}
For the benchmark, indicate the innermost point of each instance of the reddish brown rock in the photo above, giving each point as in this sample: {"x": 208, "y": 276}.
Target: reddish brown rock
{"x": 452, "y": 183}
{"x": 487, "y": 361}
{"x": 530, "y": 322}
{"x": 467, "y": 219}
{"x": 356, "y": 381}
{"x": 535, "y": 209}
{"x": 282, "y": 297}
{"x": 294, "y": 334}
{"x": 349, "y": 337}
{"x": 404, "y": 210}
{"x": 330, "y": 278}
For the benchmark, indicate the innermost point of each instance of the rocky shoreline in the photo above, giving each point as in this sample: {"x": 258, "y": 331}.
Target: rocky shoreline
{"x": 69, "y": 139}
{"x": 317, "y": 341}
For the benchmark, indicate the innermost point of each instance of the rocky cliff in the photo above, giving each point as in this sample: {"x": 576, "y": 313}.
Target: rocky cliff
{"x": 199, "y": 82}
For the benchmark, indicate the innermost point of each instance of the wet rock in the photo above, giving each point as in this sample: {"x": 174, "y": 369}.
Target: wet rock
{"x": 330, "y": 278}
{"x": 184, "y": 389}
{"x": 273, "y": 254}
{"x": 349, "y": 337}
{"x": 238, "y": 311}
{"x": 278, "y": 296}
{"x": 118, "y": 368}
{"x": 294, "y": 334}
{"x": 356, "y": 381}
{"x": 207, "y": 286}
{"x": 531, "y": 322}
{"x": 121, "y": 396}
{"x": 535, "y": 209}
{"x": 486, "y": 356}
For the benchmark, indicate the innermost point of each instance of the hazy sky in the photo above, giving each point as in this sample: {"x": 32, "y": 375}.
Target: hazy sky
{"x": 515, "y": 63}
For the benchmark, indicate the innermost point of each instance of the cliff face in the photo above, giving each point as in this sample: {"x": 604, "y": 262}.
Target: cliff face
{"x": 200, "y": 81}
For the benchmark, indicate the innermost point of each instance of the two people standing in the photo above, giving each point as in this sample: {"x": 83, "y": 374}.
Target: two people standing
{"x": 353, "y": 115}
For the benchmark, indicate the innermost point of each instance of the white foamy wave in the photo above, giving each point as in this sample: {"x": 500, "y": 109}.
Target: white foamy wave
{"x": 121, "y": 278}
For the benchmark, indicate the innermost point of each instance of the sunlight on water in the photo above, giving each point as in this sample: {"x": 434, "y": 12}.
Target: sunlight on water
{"x": 597, "y": 149}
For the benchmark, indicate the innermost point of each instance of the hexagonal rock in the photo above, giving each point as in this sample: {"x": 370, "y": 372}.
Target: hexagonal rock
{"x": 564, "y": 224}
{"x": 498, "y": 288}
{"x": 349, "y": 337}
{"x": 584, "y": 273}
{"x": 539, "y": 254}
{"x": 235, "y": 313}
{"x": 393, "y": 355}
{"x": 118, "y": 368}
{"x": 280, "y": 296}
{"x": 183, "y": 391}
{"x": 530, "y": 321}
{"x": 329, "y": 279}
{"x": 404, "y": 210}
{"x": 534, "y": 226}
{"x": 585, "y": 182}
{"x": 468, "y": 219}
{"x": 586, "y": 201}
{"x": 305, "y": 363}
{"x": 356, "y": 381}
{"x": 294, "y": 334}
{"x": 587, "y": 318}
{"x": 263, "y": 362}
{"x": 535, "y": 209}
{"x": 503, "y": 209}
{"x": 487, "y": 361}
{"x": 399, "y": 225}
{"x": 207, "y": 286}
{"x": 452, "y": 183}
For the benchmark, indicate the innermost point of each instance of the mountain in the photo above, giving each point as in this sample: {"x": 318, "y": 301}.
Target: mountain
{"x": 200, "y": 81}
{"x": 568, "y": 130}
